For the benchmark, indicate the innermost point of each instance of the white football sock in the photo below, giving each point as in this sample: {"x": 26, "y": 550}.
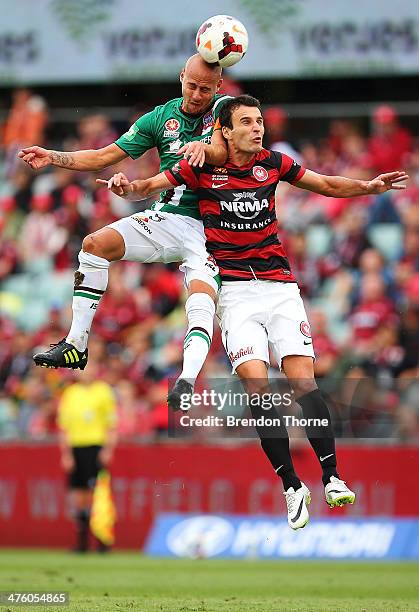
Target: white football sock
{"x": 90, "y": 282}
{"x": 200, "y": 311}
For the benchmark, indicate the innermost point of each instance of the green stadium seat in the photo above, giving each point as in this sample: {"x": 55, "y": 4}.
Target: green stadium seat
{"x": 319, "y": 239}
{"x": 387, "y": 238}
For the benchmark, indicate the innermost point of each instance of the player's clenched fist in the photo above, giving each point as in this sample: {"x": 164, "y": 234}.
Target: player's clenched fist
{"x": 118, "y": 184}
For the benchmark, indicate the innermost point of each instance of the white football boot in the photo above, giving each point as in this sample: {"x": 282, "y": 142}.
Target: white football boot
{"x": 297, "y": 502}
{"x": 337, "y": 493}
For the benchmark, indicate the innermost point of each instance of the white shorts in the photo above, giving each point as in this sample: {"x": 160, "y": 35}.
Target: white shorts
{"x": 255, "y": 314}
{"x": 152, "y": 236}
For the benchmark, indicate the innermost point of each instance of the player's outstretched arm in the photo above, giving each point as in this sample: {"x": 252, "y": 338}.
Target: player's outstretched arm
{"x": 136, "y": 190}
{"x": 89, "y": 160}
{"x": 197, "y": 152}
{"x": 342, "y": 187}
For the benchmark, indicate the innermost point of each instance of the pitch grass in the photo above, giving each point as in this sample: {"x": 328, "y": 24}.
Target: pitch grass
{"x": 129, "y": 581}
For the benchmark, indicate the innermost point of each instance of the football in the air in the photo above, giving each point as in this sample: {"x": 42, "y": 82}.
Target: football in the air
{"x": 222, "y": 40}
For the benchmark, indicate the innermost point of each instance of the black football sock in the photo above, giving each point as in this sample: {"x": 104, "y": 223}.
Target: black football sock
{"x": 276, "y": 445}
{"x": 82, "y": 522}
{"x": 278, "y": 452}
{"x": 321, "y": 438}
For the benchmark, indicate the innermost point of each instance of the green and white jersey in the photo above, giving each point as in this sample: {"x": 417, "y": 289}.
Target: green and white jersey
{"x": 168, "y": 128}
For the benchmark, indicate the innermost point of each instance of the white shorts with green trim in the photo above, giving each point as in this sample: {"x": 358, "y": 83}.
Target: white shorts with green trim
{"x": 257, "y": 314}
{"x": 153, "y": 236}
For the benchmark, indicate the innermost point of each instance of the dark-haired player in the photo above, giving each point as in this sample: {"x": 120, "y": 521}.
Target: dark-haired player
{"x": 259, "y": 300}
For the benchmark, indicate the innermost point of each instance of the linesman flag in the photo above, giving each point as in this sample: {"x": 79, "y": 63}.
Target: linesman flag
{"x": 103, "y": 513}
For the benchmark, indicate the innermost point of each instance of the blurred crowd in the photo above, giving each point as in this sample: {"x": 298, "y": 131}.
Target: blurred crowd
{"x": 357, "y": 262}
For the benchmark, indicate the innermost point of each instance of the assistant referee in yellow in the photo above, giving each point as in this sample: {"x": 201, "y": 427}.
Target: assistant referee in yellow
{"x": 87, "y": 425}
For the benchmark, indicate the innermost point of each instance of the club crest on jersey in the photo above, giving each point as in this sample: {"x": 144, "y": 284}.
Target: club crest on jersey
{"x": 171, "y": 128}
{"x": 260, "y": 174}
{"x": 305, "y": 329}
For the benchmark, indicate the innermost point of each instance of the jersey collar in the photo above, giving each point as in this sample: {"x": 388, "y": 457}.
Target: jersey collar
{"x": 246, "y": 166}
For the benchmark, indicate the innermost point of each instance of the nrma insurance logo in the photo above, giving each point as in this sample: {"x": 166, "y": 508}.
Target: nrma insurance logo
{"x": 200, "y": 536}
{"x": 245, "y": 205}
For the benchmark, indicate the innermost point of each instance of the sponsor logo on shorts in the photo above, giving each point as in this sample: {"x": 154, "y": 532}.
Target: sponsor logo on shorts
{"x": 305, "y": 329}
{"x": 157, "y": 217}
{"x": 240, "y": 353}
{"x": 211, "y": 264}
{"x": 260, "y": 174}
{"x": 143, "y": 222}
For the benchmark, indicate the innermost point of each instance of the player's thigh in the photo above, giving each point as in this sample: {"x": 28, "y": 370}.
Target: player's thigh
{"x": 288, "y": 327}
{"x": 244, "y": 337}
{"x": 150, "y": 237}
{"x": 197, "y": 263}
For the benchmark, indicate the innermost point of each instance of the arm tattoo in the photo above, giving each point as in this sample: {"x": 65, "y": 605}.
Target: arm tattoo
{"x": 64, "y": 160}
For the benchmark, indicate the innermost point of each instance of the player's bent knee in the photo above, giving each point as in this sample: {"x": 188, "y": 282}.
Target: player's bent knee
{"x": 106, "y": 243}
{"x": 89, "y": 244}
{"x": 302, "y": 386}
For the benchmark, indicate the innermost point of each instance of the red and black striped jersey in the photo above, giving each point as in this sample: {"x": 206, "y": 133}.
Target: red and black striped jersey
{"x": 237, "y": 206}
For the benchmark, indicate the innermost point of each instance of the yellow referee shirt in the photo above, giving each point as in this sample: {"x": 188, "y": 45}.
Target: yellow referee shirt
{"x": 86, "y": 412}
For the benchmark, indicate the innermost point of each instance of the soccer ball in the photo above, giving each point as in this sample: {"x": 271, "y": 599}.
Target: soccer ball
{"x": 222, "y": 40}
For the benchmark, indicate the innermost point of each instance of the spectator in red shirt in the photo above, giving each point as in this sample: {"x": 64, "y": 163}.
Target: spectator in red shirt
{"x": 373, "y": 311}
{"x": 390, "y": 143}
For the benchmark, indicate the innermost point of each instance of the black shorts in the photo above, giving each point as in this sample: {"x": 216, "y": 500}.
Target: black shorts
{"x": 86, "y": 467}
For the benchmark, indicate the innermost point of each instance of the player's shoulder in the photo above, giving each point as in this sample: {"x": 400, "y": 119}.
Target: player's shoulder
{"x": 170, "y": 105}
{"x": 269, "y": 158}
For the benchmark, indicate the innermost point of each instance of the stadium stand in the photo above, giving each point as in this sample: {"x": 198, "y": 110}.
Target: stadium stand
{"x": 357, "y": 262}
